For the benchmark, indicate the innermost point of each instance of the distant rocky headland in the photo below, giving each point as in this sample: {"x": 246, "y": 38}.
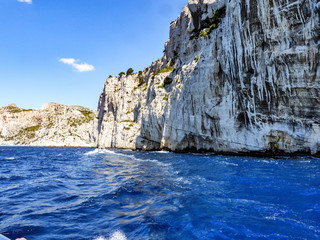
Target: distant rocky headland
{"x": 52, "y": 125}
{"x": 240, "y": 77}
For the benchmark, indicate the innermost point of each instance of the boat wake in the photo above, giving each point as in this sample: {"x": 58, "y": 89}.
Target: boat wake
{"x": 125, "y": 155}
{"x": 99, "y": 151}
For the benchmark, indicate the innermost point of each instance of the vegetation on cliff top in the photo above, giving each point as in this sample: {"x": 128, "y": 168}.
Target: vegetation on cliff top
{"x": 15, "y": 109}
{"x": 129, "y": 71}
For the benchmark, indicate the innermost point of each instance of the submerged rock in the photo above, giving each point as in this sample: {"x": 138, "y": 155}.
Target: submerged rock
{"x": 236, "y": 77}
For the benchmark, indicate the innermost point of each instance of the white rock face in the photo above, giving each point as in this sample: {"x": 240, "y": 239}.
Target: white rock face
{"x": 237, "y": 76}
{"x": 52, "y": 125}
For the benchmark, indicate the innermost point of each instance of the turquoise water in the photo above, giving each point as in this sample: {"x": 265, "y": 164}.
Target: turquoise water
{"x": 80, "y": 193}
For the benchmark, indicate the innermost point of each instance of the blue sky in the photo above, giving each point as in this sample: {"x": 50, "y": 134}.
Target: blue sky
{"x": 63, "y": 50}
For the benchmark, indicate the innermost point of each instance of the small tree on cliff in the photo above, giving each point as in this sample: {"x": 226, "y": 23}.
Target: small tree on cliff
{"x": 129, "y": 71}
{"x": 141, "y": 79}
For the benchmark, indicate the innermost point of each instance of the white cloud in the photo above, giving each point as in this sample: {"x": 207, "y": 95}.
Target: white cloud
{"x": 26, "y": 1}
{"x": 80, "y": 67}
{"x": 69, "y": 61}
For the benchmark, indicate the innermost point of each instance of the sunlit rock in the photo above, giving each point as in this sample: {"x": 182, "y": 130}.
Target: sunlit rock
{"x": 236, "y": 77}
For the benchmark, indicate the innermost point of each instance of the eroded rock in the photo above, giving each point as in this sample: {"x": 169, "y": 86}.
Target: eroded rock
{"x": 248, "y": 83}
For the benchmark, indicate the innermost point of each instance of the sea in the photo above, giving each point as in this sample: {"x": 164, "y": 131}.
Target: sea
{"x": 111, "y": 194}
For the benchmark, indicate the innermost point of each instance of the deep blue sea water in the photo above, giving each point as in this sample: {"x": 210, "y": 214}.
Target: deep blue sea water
{"x": 81, "y": 193}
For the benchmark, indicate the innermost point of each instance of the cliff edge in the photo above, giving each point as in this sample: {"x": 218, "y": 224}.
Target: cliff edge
{"x": 236, "y": 77}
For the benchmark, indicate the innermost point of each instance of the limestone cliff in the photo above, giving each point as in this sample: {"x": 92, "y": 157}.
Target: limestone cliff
{"x": 52, "y": 125}
{"x": 237, "y": 76}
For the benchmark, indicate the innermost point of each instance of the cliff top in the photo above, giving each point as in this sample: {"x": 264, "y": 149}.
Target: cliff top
{"x": 13, "y": 108}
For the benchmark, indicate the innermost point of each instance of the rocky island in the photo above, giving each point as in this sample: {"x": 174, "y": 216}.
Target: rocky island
{"x": 236, "y": 77}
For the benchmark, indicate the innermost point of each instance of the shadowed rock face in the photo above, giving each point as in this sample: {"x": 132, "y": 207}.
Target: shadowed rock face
{"x": 236, "y": 77}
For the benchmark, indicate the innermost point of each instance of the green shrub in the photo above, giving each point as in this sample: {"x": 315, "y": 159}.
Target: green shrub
{"x": 164, "y": 70}
{"x": 206, "y": 32}
{"x": 140, "y": 78}
{"x": 214, "y": 21}
{"x": 127, "y": 121}
{"x": 129, "y": 71}
{"x": 89, "y": 116}
{"x": 122, "y": 73}
{"x": 15, "y": 109}
{"x": 165, "y": 98}
{"x": 203, "y": 33}
{"x": 161, "y": 86}
{"x": 28, "y": 132}
{"x": 33, "y": 128}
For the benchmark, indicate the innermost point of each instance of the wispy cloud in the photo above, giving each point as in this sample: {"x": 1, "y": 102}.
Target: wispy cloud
{"x": 25, "y": 1}
{"x": 79, "y": 67}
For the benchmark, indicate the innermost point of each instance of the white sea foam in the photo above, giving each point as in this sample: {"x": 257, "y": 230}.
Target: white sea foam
{"x": 99, "y": 151}
{"x": 106, "y": 151}
{"x": 229, "y": 163}
{"x": 163, "y": 152}
{"x": 118, "y": 235}
{"x": 153, "y": 161}
{"x": 9, "y": 158}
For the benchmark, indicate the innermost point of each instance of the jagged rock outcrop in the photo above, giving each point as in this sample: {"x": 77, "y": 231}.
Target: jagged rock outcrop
{"x": 236, "y": 77}
{"x": 52, "y": 125}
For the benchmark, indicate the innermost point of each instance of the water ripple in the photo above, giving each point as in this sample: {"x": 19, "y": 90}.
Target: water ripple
{"x": 85, "y": 194}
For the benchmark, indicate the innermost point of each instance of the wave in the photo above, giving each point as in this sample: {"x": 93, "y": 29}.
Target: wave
{"x": 10, "y": 158}
{"x": 229, "y": 163}
{"x": 106, "y": 151}
{"x": 154, "y": 161}
{"x": 118, "y": 235}
{"x": 99, "y": 151}
{"x": 162, "y": 152}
